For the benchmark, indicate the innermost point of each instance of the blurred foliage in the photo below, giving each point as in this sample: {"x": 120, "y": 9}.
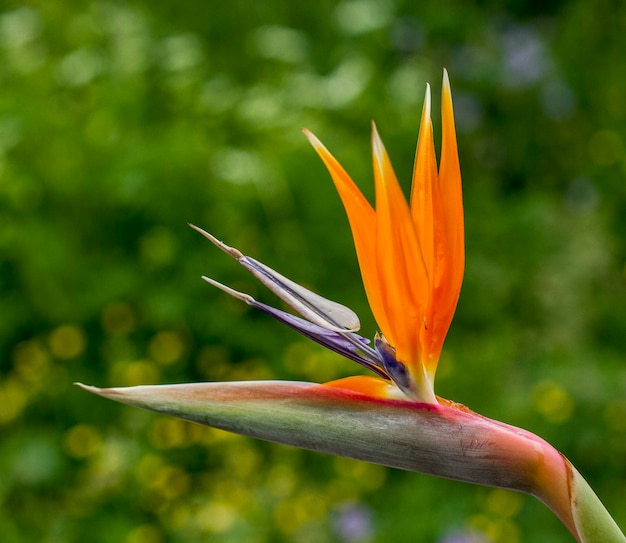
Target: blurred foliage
{"x": 121, "y": 121}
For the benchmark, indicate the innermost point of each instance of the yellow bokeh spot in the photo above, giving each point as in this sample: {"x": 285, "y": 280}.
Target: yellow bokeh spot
{"x": 157, "y": 247}
{"x": 31, "y": 360}
{"x": 118, "y": 318}
{"x": 217, "y": 517}
{"x": 147, "y": 466}
{"x": 170, "y": 482}
{"x": 67, "y": 341}
{"x": 138, "y": 372}
{"x": 243, "y": 460}
{"x": 229, "y": 490}
{"x": 606, "y": 148}
{"x": 166, "y": 347}
{"x": 503, "y": 503}
{"x": 314, "y": 504}
{"x": 211, "y": 436}
{"x": 313, "y": 363}
{"x": 342, "y": 490}
{"x": 146, "y": 533}
{"x": 82, "y": 441}
{"x": 483, "y": 524}
{"x": 198, "y": 433}
{"x": 178, "y": 517}
{"x": 495, "y": 530}
{"x": 508, "y": 532}
{"x": 552, "y": 402}
{"x": 367, "y": 476}
{"x": 167, "y": 433}
{"x": 249, "y": 370}
{"x": 290, "y": 515}
{"x": 13, "y": 399}
{"x": 281, "y": 480}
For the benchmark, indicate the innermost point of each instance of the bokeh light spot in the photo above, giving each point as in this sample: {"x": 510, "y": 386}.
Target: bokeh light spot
{"x": 181, "y": 53}
{"x": 280, "y": 43}
{"x": 138, "y": 372}
{"x": 240, "y": 166}
{"x": 353, "y": 523}
{"x": 31, "y": 360}
{"x": 67, "y": 341}
{"x": 360, "y": 16}
{"x": 463, "y": 536}
{"x": 504, "y": 503}
{"x": 216, "y": 516}
{"x": 244, "y": 460}
{"x": 19, "y": 27}
{"x": 167, "y": 433}
{"x": 166, "y": 347}
{"x": 178, "y": 517}
{"x": 157, "y": 247}
{"x": 82, "y": 441}
{"x": 290, "y": 515}
{"x": 281, "y": 480}
{"x": 80, "y": 67}
{"x": 37, "y": 461}
{"x": 553, "y": 402}
{"x": 146, "y": 533}
{"x": 482, "y": 524}
{"x": 366, "y": 476}
{"x": 13, "y": 400}
{"x": 170, "y": 482}
{"x": 147, "y": 466}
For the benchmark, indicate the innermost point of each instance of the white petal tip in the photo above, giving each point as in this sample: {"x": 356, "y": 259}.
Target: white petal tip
{"x": 313, "y": 140}
{"x": 378, "y": 148}
{"x": 427, "y": 102}
{"x": 86, "y": 387}
{"x": 227, "y": 249}
{"x": 235, "y": 293}
{"x": 446, "y": 80}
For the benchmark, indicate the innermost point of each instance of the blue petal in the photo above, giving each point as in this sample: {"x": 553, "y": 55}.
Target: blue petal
{"x": 346, "y": 344}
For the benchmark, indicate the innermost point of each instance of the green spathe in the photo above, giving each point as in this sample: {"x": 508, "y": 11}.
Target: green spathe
{"x": 447, "y": 441}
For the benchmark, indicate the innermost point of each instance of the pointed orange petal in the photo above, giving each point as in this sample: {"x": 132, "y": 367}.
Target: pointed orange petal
{"x": 451, "y": 201}
{"x": 362, "y": 219}
{"x": 449, "y": 262}
{"x": 401, "y": 270}
{"x": 424, "y": 180}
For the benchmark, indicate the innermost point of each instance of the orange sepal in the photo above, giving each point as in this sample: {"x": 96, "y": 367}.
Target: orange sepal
{"x": 401, "y": 270}
{"x": 370, "y": 386}
{"x": 362, "y": 219}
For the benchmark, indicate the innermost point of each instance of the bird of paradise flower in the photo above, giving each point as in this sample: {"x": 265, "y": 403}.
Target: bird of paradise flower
{"x": 411, "y": 258}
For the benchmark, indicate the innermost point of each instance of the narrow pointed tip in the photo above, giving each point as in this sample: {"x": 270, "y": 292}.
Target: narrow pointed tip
{"x": 446, "y": 83}
{"x": 427, "y": 102}
{"x": 104, "y": 392}
{"x": 313, "y": 140}
{"x": 234, "y": 293}
{"x": 226, "y": 248}
{"x": 378, "y": 147}
{"x": 88, "y": 388}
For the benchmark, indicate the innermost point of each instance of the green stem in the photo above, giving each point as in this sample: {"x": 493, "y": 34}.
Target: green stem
{"x": 592, "y": 520}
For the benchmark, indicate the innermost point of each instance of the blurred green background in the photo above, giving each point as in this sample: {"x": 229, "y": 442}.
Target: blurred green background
{"x": 122, "y": 121}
